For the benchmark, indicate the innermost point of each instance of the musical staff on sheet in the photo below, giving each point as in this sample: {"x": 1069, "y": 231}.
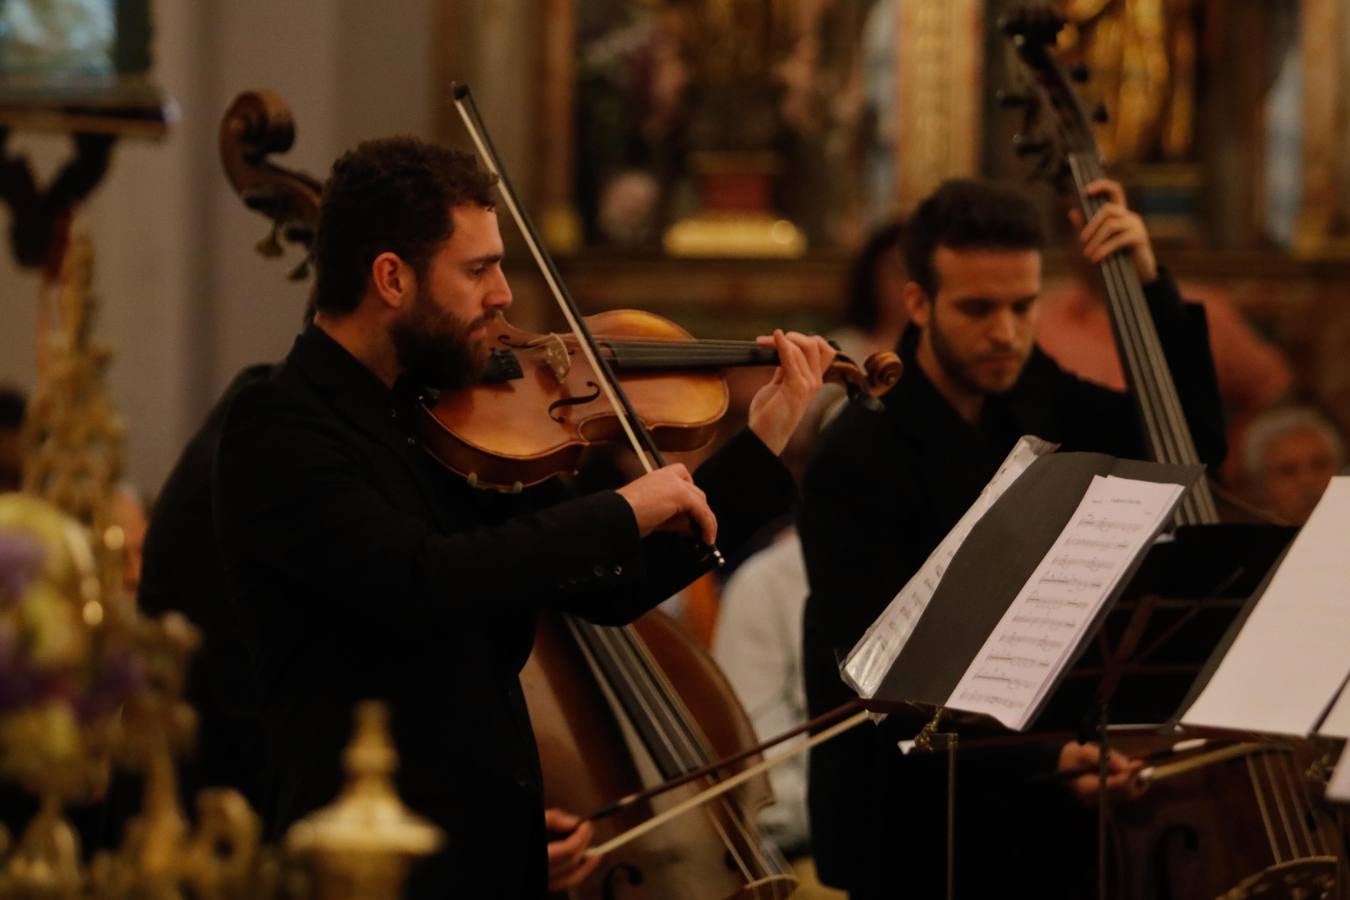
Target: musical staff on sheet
{"x": 1040, "y": 629}
{"x": 880, "y": 646}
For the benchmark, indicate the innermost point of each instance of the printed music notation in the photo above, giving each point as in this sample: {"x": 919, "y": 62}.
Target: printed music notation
{"x": 878, "y": 649}
{"x": 1040, "y": 629}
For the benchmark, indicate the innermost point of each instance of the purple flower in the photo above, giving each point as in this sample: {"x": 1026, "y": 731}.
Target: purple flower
{"x": 20, "y": 560}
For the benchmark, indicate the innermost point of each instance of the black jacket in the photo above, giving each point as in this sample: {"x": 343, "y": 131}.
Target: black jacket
{"x": 182, "y": 571}
{"x": 882, "y": 491}
{"x": 364, "y": 569}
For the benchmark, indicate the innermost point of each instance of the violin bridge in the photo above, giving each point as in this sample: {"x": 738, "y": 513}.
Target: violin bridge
{"x": 555, "y": 355}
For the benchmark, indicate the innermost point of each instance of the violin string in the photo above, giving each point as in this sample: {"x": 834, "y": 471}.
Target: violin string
{"x": 643, "y": 446}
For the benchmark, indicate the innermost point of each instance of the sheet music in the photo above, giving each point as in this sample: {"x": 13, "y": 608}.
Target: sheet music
{"x": 879, "y": 647}
{"x": 1032, "y": 642}
{"x": 1337, "y": 722}
{"x": 1293, "y": 653}
{"x": 1338, "y": 788}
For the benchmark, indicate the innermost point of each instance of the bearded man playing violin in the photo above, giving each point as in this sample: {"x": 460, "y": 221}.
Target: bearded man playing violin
{"x": 362, "y": 568}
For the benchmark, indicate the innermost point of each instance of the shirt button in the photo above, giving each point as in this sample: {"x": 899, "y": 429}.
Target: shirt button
{"x": 412, "y": 442}
{"x": 393, "y": 414}
{"x": 618, "y": 570}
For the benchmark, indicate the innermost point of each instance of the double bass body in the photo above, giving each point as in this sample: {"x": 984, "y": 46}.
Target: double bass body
{"x": 593, "y": 755}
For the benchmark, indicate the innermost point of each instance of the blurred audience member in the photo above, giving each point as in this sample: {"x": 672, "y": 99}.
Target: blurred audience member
{"x": 12, "y": 404}
{"x": 758, "y": 645}
{"x": 875, "y": 313}
{"x": 1075, "y": 329}
{"x": 1289, "y": 456}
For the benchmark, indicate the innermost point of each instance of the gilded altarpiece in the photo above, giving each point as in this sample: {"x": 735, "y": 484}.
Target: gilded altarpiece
{"x": 910, "y": 103}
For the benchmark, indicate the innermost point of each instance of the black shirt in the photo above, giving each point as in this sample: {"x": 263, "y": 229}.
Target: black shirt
{"x": 364, "y": 569}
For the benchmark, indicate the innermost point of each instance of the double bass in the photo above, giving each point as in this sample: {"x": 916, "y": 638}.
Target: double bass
{"x": 614, "y": 709}
{"x": 1249, "y": 823}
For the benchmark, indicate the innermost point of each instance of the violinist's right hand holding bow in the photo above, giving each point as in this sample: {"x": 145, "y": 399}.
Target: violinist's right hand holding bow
{"x": 668, "y": 500}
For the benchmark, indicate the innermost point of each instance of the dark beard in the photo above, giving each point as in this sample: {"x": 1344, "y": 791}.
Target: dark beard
{"x": 956, "y": 368}
{"x": 950, "y": 362}
{"x": 434, "y": 348}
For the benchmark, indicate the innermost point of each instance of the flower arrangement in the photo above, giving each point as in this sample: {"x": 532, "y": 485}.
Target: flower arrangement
{"x": 67, "y": 663}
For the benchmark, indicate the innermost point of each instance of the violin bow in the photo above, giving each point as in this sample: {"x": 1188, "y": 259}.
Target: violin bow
{"x": 638, "y": 436}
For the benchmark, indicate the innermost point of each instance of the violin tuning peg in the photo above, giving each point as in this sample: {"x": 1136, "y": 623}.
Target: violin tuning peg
{"x": 269, "y": 246}
{"x": 1080, "y": 73}
{"x": 1099, "y": 114}
{"x": 300, "y": 272}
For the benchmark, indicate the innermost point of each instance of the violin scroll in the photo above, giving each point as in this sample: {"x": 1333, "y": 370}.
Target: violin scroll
{"x": 877, "y": 375}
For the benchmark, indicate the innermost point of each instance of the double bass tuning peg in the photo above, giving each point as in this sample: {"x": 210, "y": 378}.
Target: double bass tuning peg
{"x": 1080, "y": 73}
{"x": 269, "y": 246}
{"x": 1099, "y": 114}
{"x": 1009, "y": 98}
{"x": 1028, "y": 145}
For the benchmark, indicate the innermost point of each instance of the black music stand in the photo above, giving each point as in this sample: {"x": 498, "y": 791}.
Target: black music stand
{"x": 1179, "y": 602}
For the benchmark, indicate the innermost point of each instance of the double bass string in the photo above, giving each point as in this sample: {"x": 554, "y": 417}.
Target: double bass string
{"x": 691, "y": 747}
{"x": 1160, "y": 406}
{"x": 1170, "y": 439}
{"x": 1130, "y": 338}
{"x": 648, "y": 700}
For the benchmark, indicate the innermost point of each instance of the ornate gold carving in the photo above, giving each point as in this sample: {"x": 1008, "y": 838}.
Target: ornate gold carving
{"x": 940, "y": 89}
{"x": 1142, "y": 58}
{"x": 363, "y": 843}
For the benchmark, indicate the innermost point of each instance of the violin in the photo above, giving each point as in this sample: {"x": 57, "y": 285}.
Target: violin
{"x": 537, "y": 406}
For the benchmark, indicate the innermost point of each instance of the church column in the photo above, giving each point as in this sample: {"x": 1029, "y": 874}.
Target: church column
{"x": 1325, "y": 114}
{"x": 940, "y": 73}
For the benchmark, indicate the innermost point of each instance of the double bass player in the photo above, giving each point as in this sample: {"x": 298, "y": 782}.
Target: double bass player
{"x": 884, "y": 489}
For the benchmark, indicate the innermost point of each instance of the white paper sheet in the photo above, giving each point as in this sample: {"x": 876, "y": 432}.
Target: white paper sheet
{"x": 1031, "y": 643}
{"x": 874, "y": 654}
{"x": 1338, "y": 788}
{"x": 1293, "y": 653}
{"x": 1337, "y": 722}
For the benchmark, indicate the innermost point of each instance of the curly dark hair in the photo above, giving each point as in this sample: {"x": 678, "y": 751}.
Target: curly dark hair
{"x": 969, "y": 214}
{"x": 389, "y": 195}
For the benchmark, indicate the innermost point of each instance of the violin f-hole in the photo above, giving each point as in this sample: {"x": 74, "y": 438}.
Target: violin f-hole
{"x": 572, "y": 401}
